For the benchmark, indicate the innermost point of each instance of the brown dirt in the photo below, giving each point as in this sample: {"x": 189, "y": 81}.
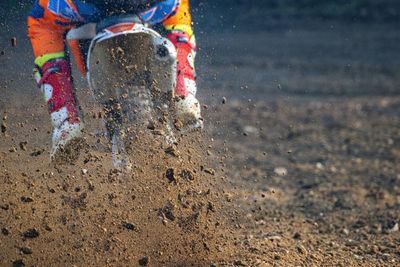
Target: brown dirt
{"x": 276, "y": 179}
{"x": 161, "y": 212}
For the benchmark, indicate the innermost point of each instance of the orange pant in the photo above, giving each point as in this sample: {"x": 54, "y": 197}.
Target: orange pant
{"x": 47, "y": 35}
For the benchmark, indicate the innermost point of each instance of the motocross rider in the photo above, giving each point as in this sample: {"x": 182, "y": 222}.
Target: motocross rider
{"x": 48, "y": 22}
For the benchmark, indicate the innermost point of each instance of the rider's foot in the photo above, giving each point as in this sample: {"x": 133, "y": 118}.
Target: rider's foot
{"x": 187, "y": 107}
{"x": 54, "y": 79}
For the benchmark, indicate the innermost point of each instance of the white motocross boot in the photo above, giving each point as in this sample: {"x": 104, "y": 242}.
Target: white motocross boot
{"x": 187, "y": 107}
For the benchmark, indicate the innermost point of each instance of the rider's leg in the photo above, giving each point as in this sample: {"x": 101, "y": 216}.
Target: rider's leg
{"x": 53, "y": 76}
{"x": 180, "y": 33}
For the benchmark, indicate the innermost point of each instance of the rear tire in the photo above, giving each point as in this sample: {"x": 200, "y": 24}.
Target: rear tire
{"x": 138, "y": 114}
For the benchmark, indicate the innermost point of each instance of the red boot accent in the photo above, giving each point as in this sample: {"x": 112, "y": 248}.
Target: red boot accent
{"x": 57, "y": 74}
{"x": 184, "y": 68}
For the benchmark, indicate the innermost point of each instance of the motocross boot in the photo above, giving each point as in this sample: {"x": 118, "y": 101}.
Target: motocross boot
{"x": 186, "y": 105}
{"x": 54, "y": 79}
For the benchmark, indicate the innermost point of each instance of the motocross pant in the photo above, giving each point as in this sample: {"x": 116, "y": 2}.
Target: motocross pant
{"x": 49, "y": 20}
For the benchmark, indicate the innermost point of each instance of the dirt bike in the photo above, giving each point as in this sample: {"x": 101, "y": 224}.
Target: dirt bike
{"x": 131, "y": 71}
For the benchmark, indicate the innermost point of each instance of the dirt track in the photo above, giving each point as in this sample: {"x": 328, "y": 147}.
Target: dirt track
{"x": 305, "y": 152}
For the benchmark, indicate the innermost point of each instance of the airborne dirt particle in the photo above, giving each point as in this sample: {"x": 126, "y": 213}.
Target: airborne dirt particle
{"x": 239, "y": 263}
{"x": 301, "y": 249}
{"x": 211, "y": 207}
{"x": 90, "y": 185}
{"x": 171, "y": 150}
{"x": 167, "y": 211}
{"x": 170, "y": 175}
{"x": 129, "y": 226}
{"x": 36, "y": 152}
{"x": 144, "y": 261}
{"x": 297, "y": 236}
{"x": 18, "y": 263}
{"x": 3, "y": 127}
{"x": 4, "y": 231}
{"x": 31, "y": 233}
{"x": 22, "y": 145}
{"x": 26, "y": 250}
{"x": 209, "y": 171}
{"x": 26, "y": 199}
{"x": 159, "y": 132}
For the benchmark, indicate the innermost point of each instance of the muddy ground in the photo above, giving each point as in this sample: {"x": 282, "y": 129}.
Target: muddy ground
{"x": 298, "y": 164}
